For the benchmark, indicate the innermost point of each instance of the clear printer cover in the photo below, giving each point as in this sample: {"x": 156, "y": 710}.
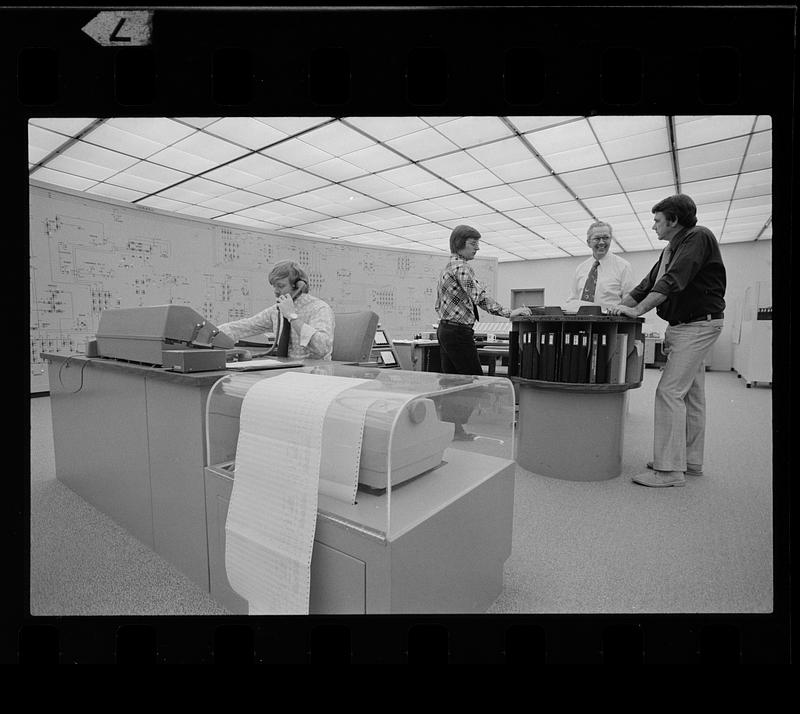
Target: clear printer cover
{"x": 409, "y": 445}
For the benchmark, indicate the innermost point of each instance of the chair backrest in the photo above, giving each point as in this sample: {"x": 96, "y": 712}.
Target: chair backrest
{"x": 353, "y": 335}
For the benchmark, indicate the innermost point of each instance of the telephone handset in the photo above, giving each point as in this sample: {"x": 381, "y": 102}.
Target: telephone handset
{"x": 296, "y": 293}
{"x": 298, "y": 289}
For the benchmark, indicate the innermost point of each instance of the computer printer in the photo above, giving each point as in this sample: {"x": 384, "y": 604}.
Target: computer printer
{"x": 418, "y": 443}
{"x": 418, "y": 436}
{"x": 147, "y": 334}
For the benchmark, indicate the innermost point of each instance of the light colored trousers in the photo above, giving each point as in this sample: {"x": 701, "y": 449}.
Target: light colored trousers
{"x": 680, "y": 403}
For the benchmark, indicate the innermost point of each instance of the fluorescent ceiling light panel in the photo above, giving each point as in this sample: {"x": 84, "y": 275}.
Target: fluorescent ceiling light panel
{"x": 475, "y": 180}
{"x": 386, "y": 128}
{"x": 501, "y": 153}
{"x": 165, "y": 204}
{"x": 337, "y": 139}
{"x": 429, "y": 210}
{"x": 543, "y": 191}
{"x": 569, "y": 137}
{"x": 756, "y": 204}
{"x": 710, "y": 190}
{"x": 59, "y": 178}
{"x": 67, "y": 127}
{"x": 598, "y": 181}
{"x": 157, "y": 129}
{"x": 261, "y": 166}
{"x": 631, "y": 137}
{"x": 293, "y": 125}
{"x": 691, "y": 131}
{"x": 246, "y": 131}
{"x": 198, "y": 122}
{"x": 374, "y": 158}
{"x": 763, "y": 123}
{"x": 469, "y": 131}
{"x": 651, "y": 172}
{"x": 460, "y": 202}
{"x": 532, "y": 124}
{"x": 521, "y": 171}
{"x": 118, "y": 192}
{"x": 204, "y": 186}
{"x": 453, "y": 164}
{"x": 611, "y": 205}
{"x": 69, "y": 165}
{"x": 506, "y": 201}
{"x": 575, "y": 159}
{"x": 42, "y": 142}
{"x": 243, "y": 198}
{"x": 755, "y": 183}
{"x": 405, "y": 176}
{"x": 99, "y": 156}
{"x": 185, "y": 195}
{"x": 242, "y": 220}
{"x": 336, "y": 170}
{"x": 759, "y": 153}
{"x": 199, "y": 211}
{"x": 297, "y": 153}
{"x": 372, "y": 185}
{"x": 181, "y": 160}
{"x": 718, "y": 159}
{"x": 212, "y": 149}
{"x": 113, "y": 138}
{"x": 422, "y": 144}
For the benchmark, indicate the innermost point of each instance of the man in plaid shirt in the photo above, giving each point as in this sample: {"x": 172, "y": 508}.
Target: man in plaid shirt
{"x": 457, "y": 297}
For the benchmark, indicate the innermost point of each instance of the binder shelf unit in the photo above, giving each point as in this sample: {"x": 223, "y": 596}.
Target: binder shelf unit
{"x": 573, "y": 373}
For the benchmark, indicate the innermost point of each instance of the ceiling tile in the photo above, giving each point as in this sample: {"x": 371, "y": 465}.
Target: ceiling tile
{"x": 67, "y": 127}
{"x": 246, "y": 131}
{"x": 692, "y": 130}
{"x": 60, "y": 178}
{"x": 470, "y": 131}
{"x": 337, "y": 138}
{"x": 386, "y": 128}
{"x": 527, "y": 124}
{"x": 422, "y": 144}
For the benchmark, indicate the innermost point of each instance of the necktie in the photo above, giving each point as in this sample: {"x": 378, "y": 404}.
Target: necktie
{"x": 283, "y": 340}
{"x": 591, "y": 284}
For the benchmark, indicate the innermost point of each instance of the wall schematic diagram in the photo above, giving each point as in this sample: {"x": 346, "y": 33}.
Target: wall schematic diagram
{"x": 88, "y": 255}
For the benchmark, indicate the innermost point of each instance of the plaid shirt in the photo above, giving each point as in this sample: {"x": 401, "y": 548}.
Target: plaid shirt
{"x": 458, "y": 289}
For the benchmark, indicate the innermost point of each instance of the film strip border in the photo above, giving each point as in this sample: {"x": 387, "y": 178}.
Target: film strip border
{"x": 514, "y": 60}
{"x": 407, "y": 640}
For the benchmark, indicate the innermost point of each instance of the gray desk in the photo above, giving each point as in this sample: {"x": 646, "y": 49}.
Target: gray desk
{"x": 130, "y": 440}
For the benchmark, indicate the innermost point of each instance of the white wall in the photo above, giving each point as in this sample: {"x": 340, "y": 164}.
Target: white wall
{"x": 745, "y": 264}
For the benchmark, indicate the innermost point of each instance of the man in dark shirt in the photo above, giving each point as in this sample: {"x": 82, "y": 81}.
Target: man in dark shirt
{"x": 687, "y": 288}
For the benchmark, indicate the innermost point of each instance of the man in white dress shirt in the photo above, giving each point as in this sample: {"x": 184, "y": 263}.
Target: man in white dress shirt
{"x": 310, "y": 319}
{"x": 612, "y": 278}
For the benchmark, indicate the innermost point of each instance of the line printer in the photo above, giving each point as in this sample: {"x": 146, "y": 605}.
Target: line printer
{"x": 173, "y": 336}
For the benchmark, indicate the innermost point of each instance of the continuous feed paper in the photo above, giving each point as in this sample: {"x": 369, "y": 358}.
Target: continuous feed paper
{"x": 269, "y": 531}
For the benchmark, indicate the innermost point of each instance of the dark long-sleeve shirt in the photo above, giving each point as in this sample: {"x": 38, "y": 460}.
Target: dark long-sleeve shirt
{"x": 694, "y": 280}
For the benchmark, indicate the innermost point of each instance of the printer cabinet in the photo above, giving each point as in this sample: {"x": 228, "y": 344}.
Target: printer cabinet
{"x": 450, "y": 538}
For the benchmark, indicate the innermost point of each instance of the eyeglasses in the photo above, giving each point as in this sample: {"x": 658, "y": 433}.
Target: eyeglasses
{"x": 597, "y": 239}
{"x": 474, "y": 242}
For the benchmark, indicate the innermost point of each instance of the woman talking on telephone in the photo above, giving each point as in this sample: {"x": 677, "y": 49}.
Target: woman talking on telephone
{"x": 310, "y": 321}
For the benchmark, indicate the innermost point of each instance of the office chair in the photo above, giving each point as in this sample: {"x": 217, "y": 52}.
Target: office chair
{"x": 353, "y": 335}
